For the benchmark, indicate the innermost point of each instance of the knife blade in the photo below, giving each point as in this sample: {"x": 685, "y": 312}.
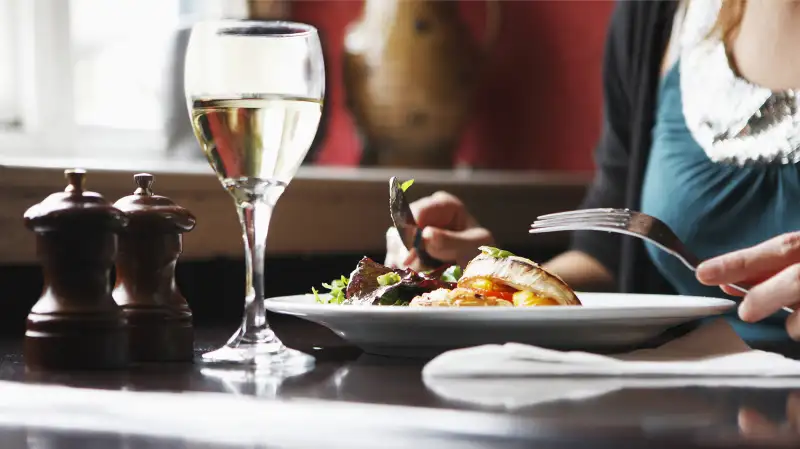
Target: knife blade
{"x": 406, "y": 224}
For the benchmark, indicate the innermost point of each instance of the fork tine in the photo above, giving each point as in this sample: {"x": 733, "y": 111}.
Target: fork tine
{"x": 583, "y": 219}
{"x": 578, "y": 224}
{"x": 585, "y": 216}
{"x": 618, "y": 228}
{"x": 586, "y": 212}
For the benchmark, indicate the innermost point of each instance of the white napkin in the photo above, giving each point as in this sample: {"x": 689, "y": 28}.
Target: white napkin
{"x": 711, "y": 350}
{"x": 525, "y": 392}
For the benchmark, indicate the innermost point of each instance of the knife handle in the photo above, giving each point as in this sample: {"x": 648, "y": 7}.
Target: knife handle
{"x": 426, "y": 259}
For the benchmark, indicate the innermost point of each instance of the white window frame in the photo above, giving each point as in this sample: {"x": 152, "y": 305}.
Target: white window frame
{"x": 45, "y": 78}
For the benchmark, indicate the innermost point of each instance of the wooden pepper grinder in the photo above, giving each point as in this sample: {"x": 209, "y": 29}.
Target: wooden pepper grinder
{"x": 159, "y": 318}
{"x": 75, "y": 324}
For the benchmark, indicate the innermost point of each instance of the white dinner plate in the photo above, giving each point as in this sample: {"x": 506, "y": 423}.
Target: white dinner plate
{"x": 604, "y": 322}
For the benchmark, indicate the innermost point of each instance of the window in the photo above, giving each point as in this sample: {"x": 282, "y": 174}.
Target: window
{"x": 9, "y": 100}
{"x": 95, "y": 77}
{"x": 118, "y": 60}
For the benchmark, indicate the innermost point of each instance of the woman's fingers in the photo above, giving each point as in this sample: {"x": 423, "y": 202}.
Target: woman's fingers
{"x": 441, "y": 210}
{"x": 747, "y": 283}
{"x": 768, "y": 297}
{"x": 755, "y": 262}
{"x": 458, "y": 246}
{"x": 793, "y": 325}
{"x": 731, "y": 291}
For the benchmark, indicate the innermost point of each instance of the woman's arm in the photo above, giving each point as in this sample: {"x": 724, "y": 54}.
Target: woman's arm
{"x": 593, "y": 261}
{"x": 581, "y": 271}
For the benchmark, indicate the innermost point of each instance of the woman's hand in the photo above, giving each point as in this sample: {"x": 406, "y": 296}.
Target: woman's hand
{"x": 773, "y": 267}
{"x": 449, "y": 233}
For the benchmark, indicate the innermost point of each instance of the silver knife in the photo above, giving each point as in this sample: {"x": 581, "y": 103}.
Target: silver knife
{"x": 406, "y": 225}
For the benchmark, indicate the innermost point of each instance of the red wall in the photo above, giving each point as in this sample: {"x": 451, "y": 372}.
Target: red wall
{"x": 539, "y": 106}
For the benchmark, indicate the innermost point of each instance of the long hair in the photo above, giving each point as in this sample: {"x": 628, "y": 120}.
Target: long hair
{"x": 728, "y": 20}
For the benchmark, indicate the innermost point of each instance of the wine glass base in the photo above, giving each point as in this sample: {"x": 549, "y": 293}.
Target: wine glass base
{"x": 264, "y": 352}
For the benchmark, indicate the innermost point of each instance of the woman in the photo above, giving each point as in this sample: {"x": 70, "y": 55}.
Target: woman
{"x": 701, "y": 130}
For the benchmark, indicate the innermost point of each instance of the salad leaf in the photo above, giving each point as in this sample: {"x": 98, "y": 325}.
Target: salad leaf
{"x": 376, "y": 284}
{"x": 394, "y": 298}
{"x": 404, "y": 186}
{"x": 337, "y": 289}
{"x": 452, "y": 274}
{"x": 495, "y": 252}
{"x": 366, "y": 286}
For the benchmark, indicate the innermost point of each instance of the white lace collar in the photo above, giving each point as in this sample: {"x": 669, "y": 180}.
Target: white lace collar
{"x": 733, "y": 120}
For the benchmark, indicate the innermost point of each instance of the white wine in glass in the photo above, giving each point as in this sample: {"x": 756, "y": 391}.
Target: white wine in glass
{"x": 255, "y": 92}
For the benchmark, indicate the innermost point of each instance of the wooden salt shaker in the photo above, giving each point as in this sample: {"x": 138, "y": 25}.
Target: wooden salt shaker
{"x": 75, "y": 324}
{"x": 159, "y": 318}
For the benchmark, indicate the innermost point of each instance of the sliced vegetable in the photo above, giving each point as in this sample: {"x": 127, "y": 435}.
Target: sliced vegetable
{"x": 490, "y": 285}
{"x": 404, "y": 186}
{"x": 482, "y": 284}
{"x": 495, "y": 252}
{"x": 527, "y": 299}
{"x": 508, "y": 296}
{"x": 452, "y": 274}
{"x": 389, "y": 279}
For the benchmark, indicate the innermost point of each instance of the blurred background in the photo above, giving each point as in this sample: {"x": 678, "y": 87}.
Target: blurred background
{"x": 104, "y": 77}
{"x": 497, "y": 101}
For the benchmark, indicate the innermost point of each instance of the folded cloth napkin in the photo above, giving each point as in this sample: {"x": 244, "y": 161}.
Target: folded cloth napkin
{"x": 713, "y": 349}
{"x": 525, "y": 392}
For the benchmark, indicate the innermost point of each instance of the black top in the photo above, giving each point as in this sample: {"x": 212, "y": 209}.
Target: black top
{"x": 638, "y": 36}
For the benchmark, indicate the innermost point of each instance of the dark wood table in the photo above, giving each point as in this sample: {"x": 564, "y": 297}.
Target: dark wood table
{"x": 626, "y": 417}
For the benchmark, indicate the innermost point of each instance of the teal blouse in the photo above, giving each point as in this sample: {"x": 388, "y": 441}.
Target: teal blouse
{"x": 713, "y": 208}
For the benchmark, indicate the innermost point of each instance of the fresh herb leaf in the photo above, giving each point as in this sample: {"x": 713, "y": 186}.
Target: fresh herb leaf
{"x": 452, "y": 274}
{"x": 337, "y": 290}
{"x": 388, "y": 279}
{"x": 404, "y": 186}
{"x": 495, "y": 252}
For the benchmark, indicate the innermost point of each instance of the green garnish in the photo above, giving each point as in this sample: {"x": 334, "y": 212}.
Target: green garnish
{"x": 495, "y": 252}
{"x": 452, "y": 274}
{"x": 404, "y": 186}
{"x": 337, "y": 289}
{"x": 392, "y": 298}
{"x": 389, "y": 278}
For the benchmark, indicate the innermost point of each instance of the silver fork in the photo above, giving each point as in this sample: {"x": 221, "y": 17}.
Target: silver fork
{"x": 623, "y": 221}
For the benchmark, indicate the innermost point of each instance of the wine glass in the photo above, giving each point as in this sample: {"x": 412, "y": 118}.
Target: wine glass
{"x": 255, "y": 90}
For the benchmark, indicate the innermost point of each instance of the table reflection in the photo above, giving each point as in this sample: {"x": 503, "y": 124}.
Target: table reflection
{"x": 721, "y": 411}
{"x": 261, "y": 383}
{"x": 758, "y": 424}
{"x": 752, "y": 408}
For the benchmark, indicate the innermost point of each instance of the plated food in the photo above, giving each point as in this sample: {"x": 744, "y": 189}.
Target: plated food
{"x": 494, "y": 278}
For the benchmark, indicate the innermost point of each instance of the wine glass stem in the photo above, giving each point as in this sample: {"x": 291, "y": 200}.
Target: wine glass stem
{"x": 254, "y": 217}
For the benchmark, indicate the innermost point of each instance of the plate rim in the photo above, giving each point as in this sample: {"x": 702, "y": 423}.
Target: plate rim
{"x": 282, "y": 302}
